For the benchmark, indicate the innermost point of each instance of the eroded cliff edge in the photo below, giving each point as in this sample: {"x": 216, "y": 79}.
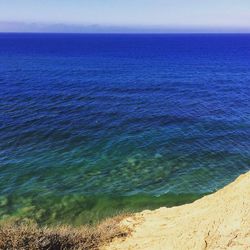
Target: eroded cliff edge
{"x": 217, "y": 221}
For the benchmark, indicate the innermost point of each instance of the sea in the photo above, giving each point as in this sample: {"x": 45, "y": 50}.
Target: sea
{"x": 94, "y": 125}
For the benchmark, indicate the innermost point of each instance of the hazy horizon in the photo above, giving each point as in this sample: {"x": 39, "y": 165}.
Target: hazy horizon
{"x": 139, "y": 16}
{"x": 18, "y": 27}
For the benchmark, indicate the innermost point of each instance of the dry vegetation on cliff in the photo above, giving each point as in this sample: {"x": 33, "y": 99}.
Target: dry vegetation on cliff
{"x": 29, "y": 236}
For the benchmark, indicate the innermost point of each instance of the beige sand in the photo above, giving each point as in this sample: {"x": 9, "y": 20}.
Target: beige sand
{"x": 217, "y": 221}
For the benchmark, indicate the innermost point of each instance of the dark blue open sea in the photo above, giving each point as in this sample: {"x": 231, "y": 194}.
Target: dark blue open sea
{"x": 91, "y": 125}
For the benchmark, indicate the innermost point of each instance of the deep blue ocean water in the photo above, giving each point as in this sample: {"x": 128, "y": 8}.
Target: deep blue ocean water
{"x": 94, "y": 124}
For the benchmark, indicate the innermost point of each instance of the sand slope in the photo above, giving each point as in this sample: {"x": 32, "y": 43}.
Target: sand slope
{"x": 217, "y": 221}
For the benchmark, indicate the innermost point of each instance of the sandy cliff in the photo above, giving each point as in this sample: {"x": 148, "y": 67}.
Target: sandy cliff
{"x": 217, "y": 221}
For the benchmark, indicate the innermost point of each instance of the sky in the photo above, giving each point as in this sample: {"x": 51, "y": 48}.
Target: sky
{"x": 125, "y": 16}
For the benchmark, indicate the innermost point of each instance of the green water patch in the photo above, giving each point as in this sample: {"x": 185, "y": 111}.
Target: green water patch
{"x": 78, "y": 210}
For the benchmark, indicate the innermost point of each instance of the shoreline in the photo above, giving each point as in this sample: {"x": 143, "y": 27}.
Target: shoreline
{"x": 217, "y": 221}
{"x": 80, "y": 210}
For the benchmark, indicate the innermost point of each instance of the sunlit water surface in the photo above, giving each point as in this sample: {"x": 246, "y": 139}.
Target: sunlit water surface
{"x": 91, "y": 125}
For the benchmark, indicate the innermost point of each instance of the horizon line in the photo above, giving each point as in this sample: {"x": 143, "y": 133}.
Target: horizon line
{"x": 130, "y": 33}
{"x": 40, "y": 27}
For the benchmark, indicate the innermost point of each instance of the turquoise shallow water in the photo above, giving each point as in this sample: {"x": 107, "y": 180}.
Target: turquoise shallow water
{"x": 79, "y": 209}
{"x": 93, "y": 125}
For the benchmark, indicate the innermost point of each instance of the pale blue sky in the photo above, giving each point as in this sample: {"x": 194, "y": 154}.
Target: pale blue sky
{"x": 91, "y": 15}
